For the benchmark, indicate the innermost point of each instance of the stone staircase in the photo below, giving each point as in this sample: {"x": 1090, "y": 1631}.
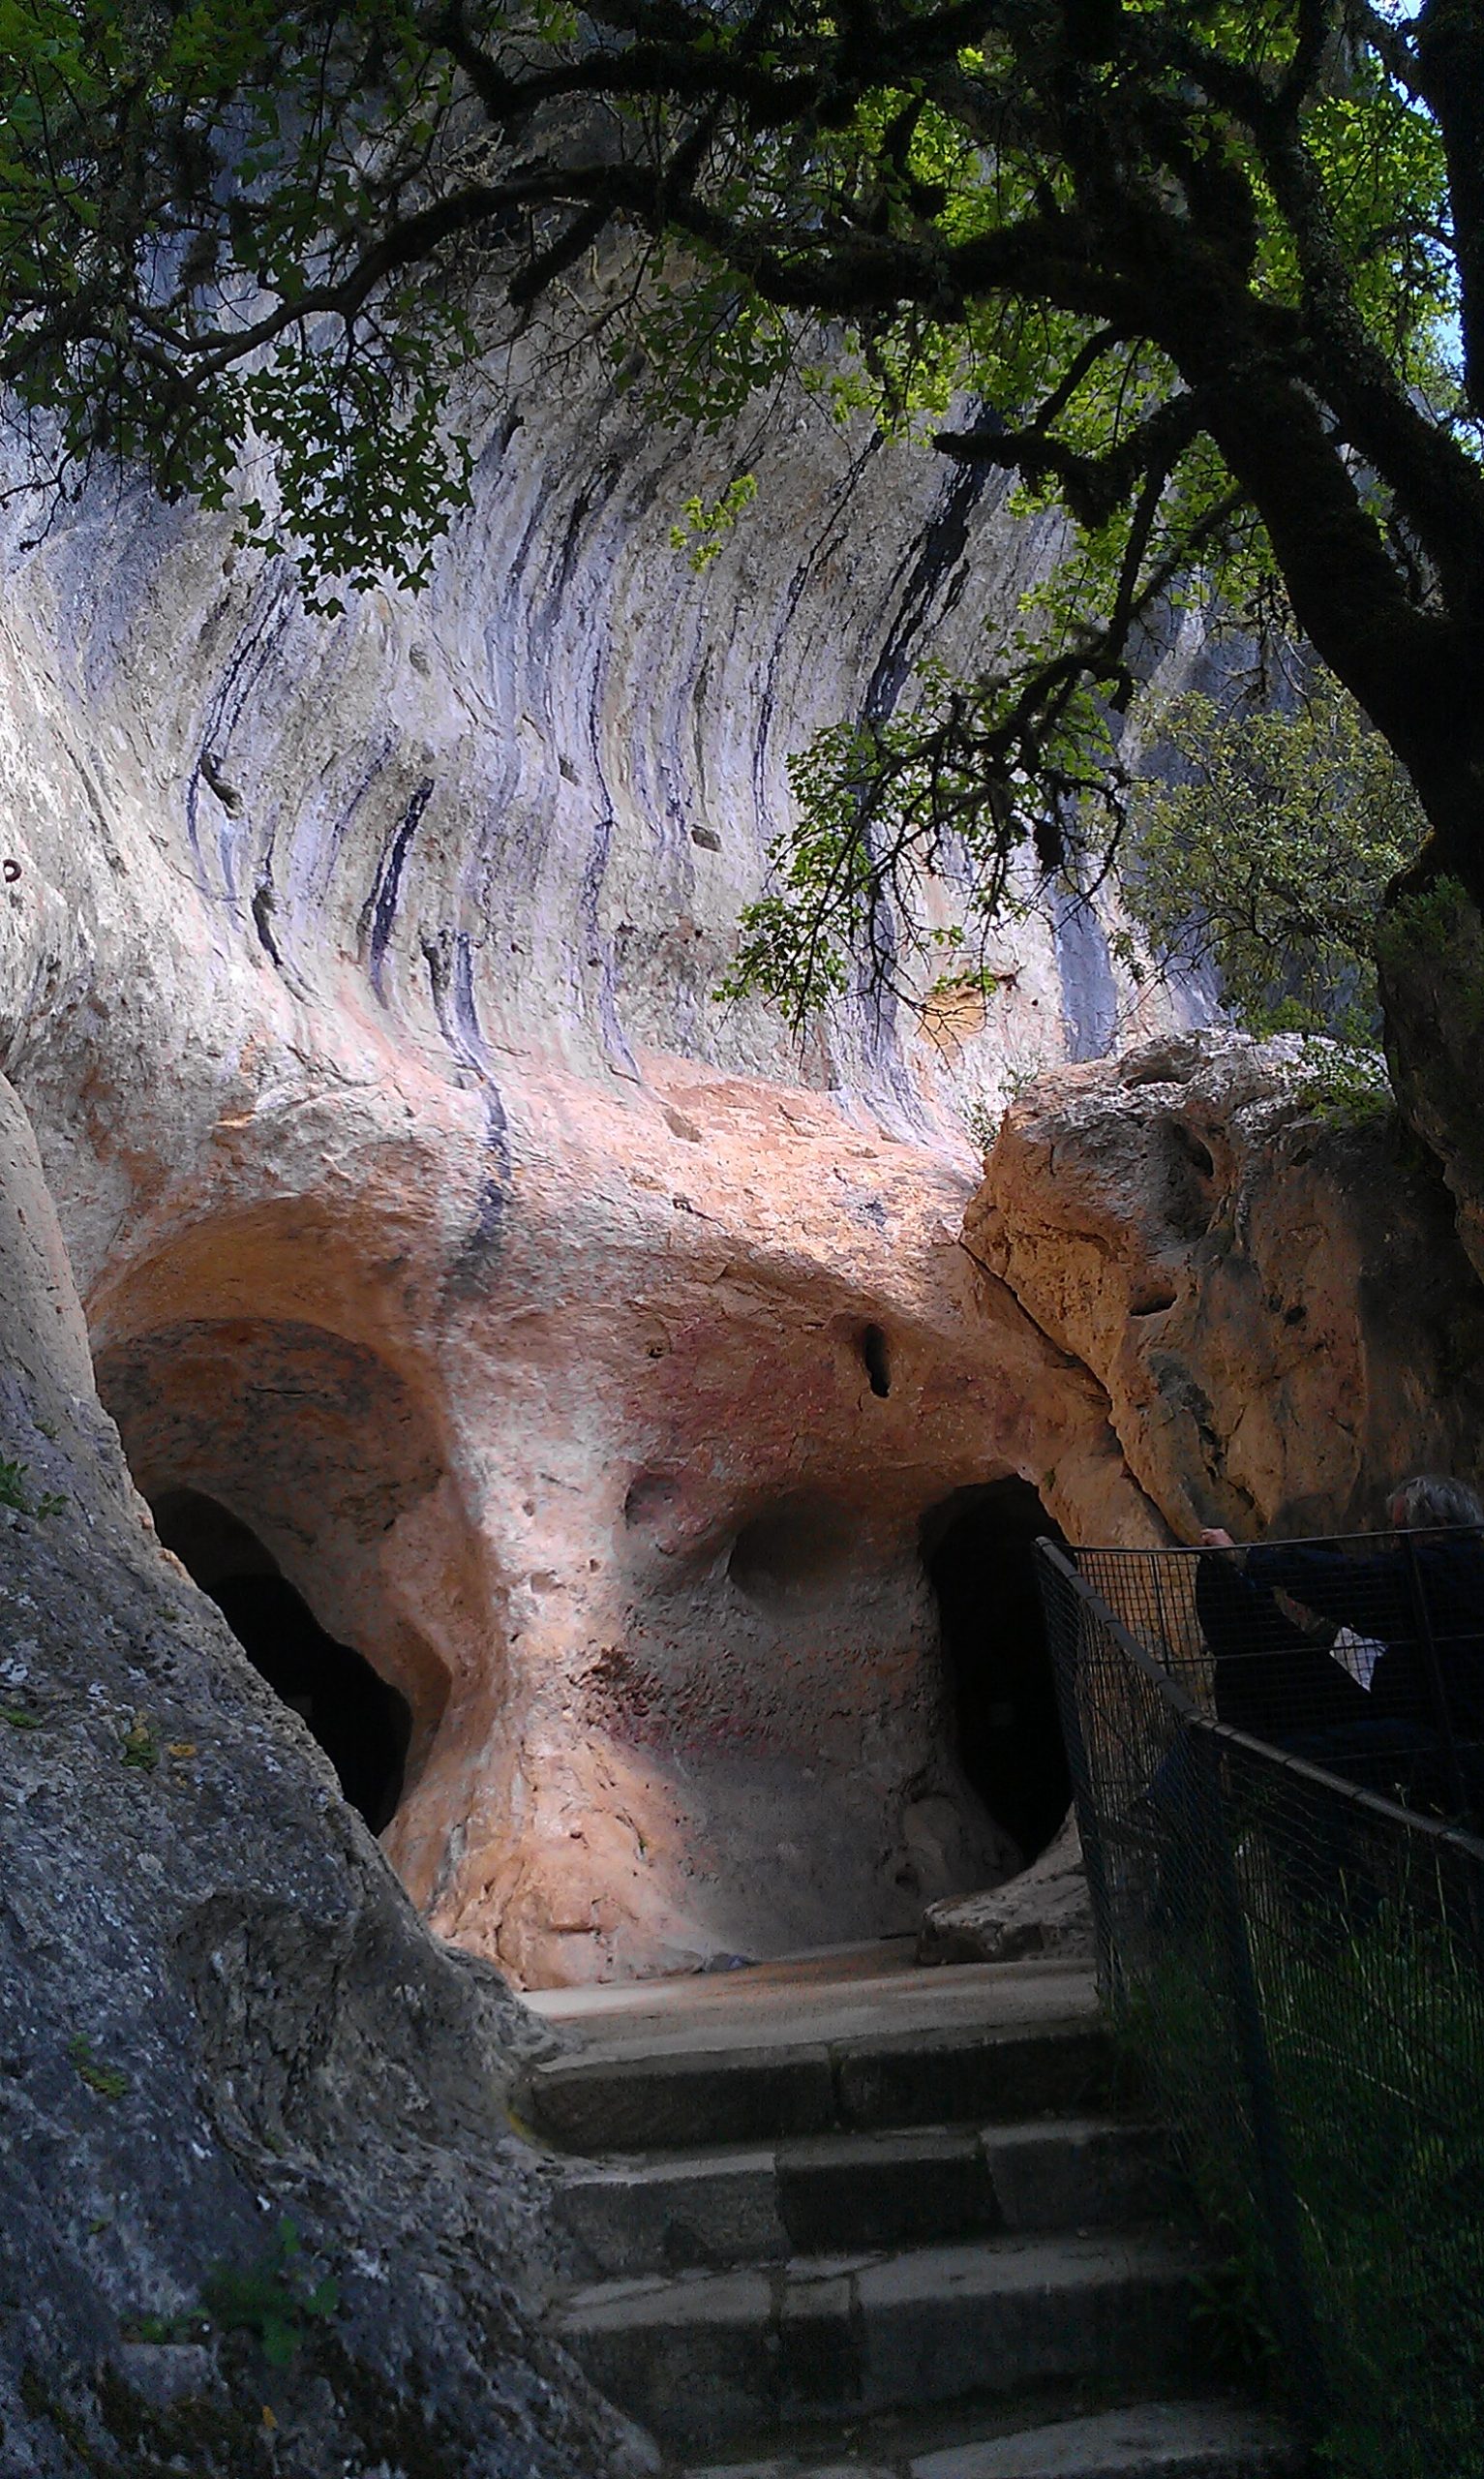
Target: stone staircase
{"x": 847, "y": 2220}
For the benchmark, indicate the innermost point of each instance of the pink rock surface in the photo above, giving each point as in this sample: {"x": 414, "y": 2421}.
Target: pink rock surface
{"x": 619, "y": 1511}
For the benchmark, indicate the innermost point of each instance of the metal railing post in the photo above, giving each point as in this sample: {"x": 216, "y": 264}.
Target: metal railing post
{"x": 1291, "y": 2299}
{"x": 1426, "y": 1645}
{"x": 1066, "y": 1617}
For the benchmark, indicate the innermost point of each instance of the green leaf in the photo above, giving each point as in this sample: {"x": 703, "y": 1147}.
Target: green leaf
{"x": 280, "y": 2341}
{"x": 105, "y": 2081}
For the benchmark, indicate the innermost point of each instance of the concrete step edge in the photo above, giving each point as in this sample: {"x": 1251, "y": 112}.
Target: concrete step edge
{"x": 712, "y": 2049}
{"x": 876, "y": 2189}
{"x": 1040, "y": 2260}
{"x": 703, "y": 2358}
{"x": 1068, "y": 2125}
{"x": 1177, "y": 2439}
{"x": 691, "y": 2099}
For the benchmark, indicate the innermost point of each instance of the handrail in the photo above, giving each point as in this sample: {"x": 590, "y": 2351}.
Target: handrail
{"x": 1297, "y": 1957}
{"x": 1281, "y": 1759}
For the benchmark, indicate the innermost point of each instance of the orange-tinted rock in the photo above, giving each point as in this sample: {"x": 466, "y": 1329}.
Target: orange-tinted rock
{"x": 630, "y": 1521}
{"x": 584, "y": 1351}
{"x": 1269, "y": 1286}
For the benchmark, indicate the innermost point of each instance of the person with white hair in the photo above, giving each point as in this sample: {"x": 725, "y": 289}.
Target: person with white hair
{"x": 1410, "y": 1616}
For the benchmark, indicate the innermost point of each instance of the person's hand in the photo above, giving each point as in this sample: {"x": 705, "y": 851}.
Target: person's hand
{"x": 1213, "y": 1537}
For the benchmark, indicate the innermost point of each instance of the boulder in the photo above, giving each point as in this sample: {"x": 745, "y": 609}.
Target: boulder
{"x": 1257, "y": 1264}
{"x": 1044, "y": 1910}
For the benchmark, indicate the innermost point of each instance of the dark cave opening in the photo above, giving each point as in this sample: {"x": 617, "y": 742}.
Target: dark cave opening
{"x": 977, "y": 1549}
{"x": 362, "y": 1722}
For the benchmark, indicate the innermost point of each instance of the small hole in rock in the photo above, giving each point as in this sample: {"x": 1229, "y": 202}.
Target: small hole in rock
{"x": 1190, "y": 1191}
{"x": 1153, "y": 1299}
{"x": 877, "y": 1358}
{"x": 1199, "y": 1156}
{"x": 651, "y": 1498}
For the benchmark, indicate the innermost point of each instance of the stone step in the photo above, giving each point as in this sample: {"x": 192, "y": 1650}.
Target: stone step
{"x": 704, "y": 2357}
{"x": 682, "y": 2094}
{"x": 875, "y": 2190}
{"x": 1149, "y": 2440}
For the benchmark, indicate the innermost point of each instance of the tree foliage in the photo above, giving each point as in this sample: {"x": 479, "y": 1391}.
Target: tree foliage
{"x": 223, "y": 243}
{"x": 1266, "y": 856}
{"x": 1190, "y": 271}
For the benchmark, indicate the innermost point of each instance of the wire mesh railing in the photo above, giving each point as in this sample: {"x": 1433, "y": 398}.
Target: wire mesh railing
{"x": 1288, "y": 1893}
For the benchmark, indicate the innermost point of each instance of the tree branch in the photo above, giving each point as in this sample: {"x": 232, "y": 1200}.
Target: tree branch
{"x": 1093, "y": 486}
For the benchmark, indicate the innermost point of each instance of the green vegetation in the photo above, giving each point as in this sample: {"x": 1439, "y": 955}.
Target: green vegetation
{"x": 1267, "y": 854}
{"x": 105, "y": 2080}
{"x": 1374, "y": 2031}
{"x": 1435, "y": 932}
{"x": 708, "y": 522}
{"x": 13, "y": 1493}
{"x": 269, "y": 2299}
{"x": 139, "y": 1747}
{"x": 179, "y": 191}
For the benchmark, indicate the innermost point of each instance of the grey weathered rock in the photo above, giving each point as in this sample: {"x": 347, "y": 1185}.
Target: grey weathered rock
{"x": 1043, "y": 1911}
{"x": 219, "y": 2011}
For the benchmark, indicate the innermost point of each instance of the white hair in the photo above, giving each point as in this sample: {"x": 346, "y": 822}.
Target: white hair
{"x": 1430, "y": 1501}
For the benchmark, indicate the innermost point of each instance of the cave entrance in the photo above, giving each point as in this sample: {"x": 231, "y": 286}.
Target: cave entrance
{"x": 977, "y": 1548}
{"x": 359, "y": 1719}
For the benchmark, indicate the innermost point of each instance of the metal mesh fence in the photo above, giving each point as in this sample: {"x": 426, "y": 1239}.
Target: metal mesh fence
{"x": 1290, "y": 1921}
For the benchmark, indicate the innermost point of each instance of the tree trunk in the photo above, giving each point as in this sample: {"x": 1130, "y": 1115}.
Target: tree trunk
{"x": 1431, "y": 958}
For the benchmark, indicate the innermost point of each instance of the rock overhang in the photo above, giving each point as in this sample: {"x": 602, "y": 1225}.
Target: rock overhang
{"x": 627, "y": 1510}
{"x": 360, "y": 983}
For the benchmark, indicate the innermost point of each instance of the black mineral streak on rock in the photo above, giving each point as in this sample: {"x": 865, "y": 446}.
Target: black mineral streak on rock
{"x": 451, "y": 982}
{"x": 388, "y": 882}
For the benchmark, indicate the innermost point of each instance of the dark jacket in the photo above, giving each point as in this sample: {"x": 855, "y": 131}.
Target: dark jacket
{"x": 1377, "y": 1596}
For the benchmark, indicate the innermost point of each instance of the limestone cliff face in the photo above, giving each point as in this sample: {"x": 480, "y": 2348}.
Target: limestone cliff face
{"x": 590, "y": 1361}
{"x": 432, "y": 1219}
{"x": 516, "y": 818}
{"x": 220, "y": 2013}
